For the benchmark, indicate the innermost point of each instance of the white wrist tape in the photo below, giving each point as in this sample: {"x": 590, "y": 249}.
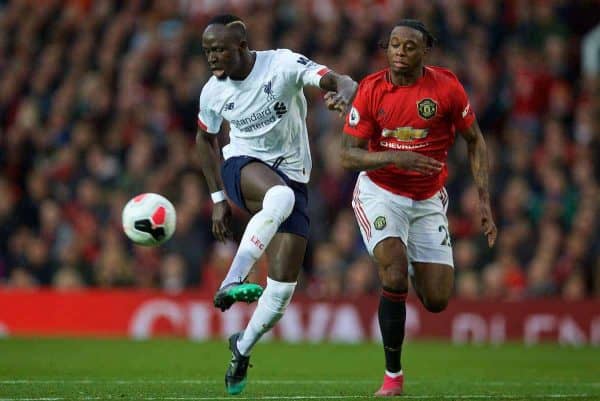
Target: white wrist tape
{"x": 218, "y": 196}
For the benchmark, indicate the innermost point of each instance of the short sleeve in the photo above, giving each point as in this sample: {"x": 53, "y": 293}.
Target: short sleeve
{"x": 301, "y": 69}
{"x": 208, "y": 119}
{"x": 359, "y": 121}
{"x": 462, "y": 114}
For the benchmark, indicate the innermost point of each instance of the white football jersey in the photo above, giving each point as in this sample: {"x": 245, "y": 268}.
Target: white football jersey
{"x": 266, "y": 111}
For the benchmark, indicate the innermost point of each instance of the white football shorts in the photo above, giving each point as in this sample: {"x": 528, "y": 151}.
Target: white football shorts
{"x": 421, "y": 225}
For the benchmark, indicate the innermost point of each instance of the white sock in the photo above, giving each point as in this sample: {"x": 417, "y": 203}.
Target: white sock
{"x": 393, "y": 375}
{"x": 277, "y": 206}
{"x": 271, "y": 306}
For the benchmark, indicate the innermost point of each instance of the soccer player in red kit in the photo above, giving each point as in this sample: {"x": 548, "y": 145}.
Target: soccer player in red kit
{"x": 398, "y": 132}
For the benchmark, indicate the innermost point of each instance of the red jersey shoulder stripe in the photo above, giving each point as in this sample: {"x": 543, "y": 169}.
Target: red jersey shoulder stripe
{"x": 202, "y": 126}
{"x": 323, "y": 71}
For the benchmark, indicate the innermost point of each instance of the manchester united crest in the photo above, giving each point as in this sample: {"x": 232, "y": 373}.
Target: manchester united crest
{"x": 426, "y": 108}
{"x": 380, "y": 223}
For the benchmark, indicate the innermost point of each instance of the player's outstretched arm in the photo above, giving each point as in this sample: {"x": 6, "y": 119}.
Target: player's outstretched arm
{"x": 341, "y": 90}
{"x": 355, "y": 156}
{"x": 479, "y": 168}
{"x": 210, "y": 160}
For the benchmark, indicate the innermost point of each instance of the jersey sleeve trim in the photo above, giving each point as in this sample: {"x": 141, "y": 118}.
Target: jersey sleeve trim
{"x": 468, "y": 123}
{"x": 323, "y": 71}
{"x": 466, "y": 119}
{"x": 204, "y": 128}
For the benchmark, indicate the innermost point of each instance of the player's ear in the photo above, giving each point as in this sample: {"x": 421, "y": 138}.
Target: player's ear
{"x": 243, "y": 44}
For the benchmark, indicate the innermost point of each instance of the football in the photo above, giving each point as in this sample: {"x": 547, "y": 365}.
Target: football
{"x": 149, "y": 219}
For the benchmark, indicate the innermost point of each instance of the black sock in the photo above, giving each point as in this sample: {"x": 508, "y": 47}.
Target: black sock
{"x": 392, "y": 316}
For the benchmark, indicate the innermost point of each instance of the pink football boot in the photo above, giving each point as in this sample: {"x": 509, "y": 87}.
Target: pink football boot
{"x": 391, "y": 386}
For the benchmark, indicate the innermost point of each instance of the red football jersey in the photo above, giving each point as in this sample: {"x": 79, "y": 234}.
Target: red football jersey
{"x": 421, "y": 117}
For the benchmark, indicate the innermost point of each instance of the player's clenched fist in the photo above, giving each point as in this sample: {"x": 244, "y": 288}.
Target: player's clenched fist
{"x": 342, "y": 99}
{"x": 333, "y": 101}
{"x": 416, "y": 162}
{"x": 487, "y": 221}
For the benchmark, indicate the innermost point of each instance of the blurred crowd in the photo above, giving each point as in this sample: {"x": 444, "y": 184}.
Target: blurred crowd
{"x": 98, "y": 102}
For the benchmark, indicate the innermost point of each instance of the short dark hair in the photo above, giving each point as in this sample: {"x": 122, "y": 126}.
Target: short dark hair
{"x": 230, "y": 21}
{"x": 430, "y": 40}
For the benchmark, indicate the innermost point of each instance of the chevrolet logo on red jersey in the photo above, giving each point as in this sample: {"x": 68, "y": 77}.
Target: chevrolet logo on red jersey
{"x": 405, "y": 133}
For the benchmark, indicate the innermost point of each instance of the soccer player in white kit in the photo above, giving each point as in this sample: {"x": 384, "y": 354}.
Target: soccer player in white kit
{"x": 267, "y": 166}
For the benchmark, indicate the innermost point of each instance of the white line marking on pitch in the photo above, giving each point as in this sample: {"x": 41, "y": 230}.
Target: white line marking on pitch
{"x": 320, "y": 397}
{"x": 163, "y": 381}
{"x": 272, "y": 381}
{"x": 414, "y": 397}
{"x": 33, "y": 399}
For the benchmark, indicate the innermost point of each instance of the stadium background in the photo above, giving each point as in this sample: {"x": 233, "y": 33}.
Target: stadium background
{"x": 98, "y": 102}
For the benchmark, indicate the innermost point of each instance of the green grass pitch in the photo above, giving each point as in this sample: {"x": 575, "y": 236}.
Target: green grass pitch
{"x": 76, "y": 369}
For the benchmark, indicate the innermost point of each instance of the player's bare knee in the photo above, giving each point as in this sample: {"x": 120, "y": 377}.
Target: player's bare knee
{"x": 394, "y": 276}
{"x": 435, "y": 304}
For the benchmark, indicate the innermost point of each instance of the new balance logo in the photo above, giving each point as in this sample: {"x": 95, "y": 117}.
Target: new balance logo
{"x": 229, "y": 106}
{"x": 280, "y": 109}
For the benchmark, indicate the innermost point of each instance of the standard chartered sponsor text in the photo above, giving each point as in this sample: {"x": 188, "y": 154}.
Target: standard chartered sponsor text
{"x": 255, "y": 121}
